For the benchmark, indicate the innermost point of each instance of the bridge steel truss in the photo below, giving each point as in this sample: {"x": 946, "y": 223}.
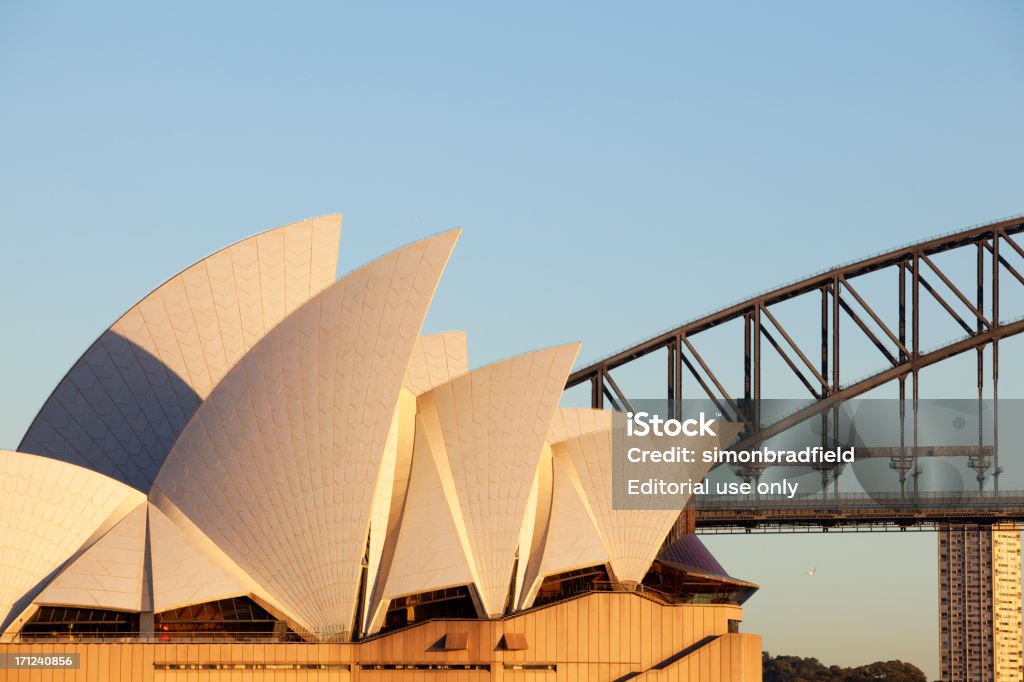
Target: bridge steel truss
{"x": 977, "y": 313}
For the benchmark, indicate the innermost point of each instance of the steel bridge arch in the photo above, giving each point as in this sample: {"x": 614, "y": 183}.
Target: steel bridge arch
{"x": 993, "y": 242}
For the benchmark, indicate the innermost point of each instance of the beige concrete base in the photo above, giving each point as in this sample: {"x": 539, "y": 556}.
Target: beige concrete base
{"x": 600, "y": 637}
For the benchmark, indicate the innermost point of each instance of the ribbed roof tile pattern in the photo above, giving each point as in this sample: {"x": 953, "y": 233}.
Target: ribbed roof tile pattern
{"x": 50, "y": 510}
{"x": 286, "y": 429}
{"x": 531, "y": 551}
{"x": 185, "y": 573}
{"x": 492, "y": 423}
{"x": 279, "y": 465}
{"x": 573, "y": 422}
{"x": 437, "y": 358}
{"x": 125, "y": 401}
{"x": 573, "y": 540}
{"x": 107, "y": 575}
{"x": 430, "y": 553}
{"x": 632, "y": 537}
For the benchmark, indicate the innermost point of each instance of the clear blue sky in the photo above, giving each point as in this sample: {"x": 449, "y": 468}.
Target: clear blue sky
{"x": 592, "y": 152}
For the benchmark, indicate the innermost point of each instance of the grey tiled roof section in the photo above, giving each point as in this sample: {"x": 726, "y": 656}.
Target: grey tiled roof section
{"x": 120, "y": 408}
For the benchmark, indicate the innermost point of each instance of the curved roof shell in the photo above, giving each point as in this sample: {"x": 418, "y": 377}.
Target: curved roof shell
{"x": 50, "y": 511}
{"x": 488, "y": 428}
{"x": 122, "y": 405}
{"x": 278, "y": 466}
{"x": 251, "y": 428}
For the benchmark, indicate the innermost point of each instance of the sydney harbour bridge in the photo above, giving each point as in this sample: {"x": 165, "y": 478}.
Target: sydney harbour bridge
{"x": 921, "y": 309}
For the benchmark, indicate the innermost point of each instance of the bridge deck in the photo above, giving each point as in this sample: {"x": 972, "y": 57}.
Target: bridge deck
{"x": 855, "y": 512}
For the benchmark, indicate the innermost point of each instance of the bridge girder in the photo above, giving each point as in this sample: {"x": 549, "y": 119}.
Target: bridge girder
{"x": 977, "y": 313}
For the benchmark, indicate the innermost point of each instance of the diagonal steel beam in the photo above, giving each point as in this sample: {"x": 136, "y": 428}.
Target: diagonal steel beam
{"x": 959, "y": 294}
{"x": 792, "y": 344}
{"x": 792, "y": 365}
{"x": 611, "y": 398}
{"x": 622, "y": 400}
{"x": 1006, "y": 229}
{"x": 867, "y": 332}
{"x": 948, "y": 308}
{"x": 703, "y": 384}
{"x": 913, "y": 365}
{"x": 1006, "y": 264}
{"x": 875, "y": 317}
{"x": 714, "y": 379}
{"x": 1009, "y": 240}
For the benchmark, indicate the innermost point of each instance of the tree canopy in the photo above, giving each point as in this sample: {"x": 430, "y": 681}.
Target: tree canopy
{"x": 796, "y": 669}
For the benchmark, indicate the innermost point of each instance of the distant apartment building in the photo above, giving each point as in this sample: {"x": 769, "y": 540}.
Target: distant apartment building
{"x": 980, "y": 632}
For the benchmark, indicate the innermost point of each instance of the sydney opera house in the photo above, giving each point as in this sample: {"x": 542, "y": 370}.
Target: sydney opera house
{"x": 261, "y": 471}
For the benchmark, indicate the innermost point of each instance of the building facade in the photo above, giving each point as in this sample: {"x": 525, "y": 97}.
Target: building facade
{"x": 260, "y": 468}
{"x": 980, "y": 603}
{"x": 597, "y": 636}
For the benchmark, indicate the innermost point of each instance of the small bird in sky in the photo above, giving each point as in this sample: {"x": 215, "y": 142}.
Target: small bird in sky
{"x": 812, "y": 571}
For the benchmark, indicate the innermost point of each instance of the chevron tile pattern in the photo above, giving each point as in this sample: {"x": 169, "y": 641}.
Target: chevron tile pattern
{"x": 122, "y": 405}
{"x": 279, "y": 465}
{"x": 631, "y": 537}
{"x": 49, "y": 511}
{"x": 430, "y": 552}
{"x": 263, "y": 430}
{"x": 109, "y": 574}
{"x": 437, "y": 358}
{"x": 490, "y": 425}
{"x": 573, "y": 540}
